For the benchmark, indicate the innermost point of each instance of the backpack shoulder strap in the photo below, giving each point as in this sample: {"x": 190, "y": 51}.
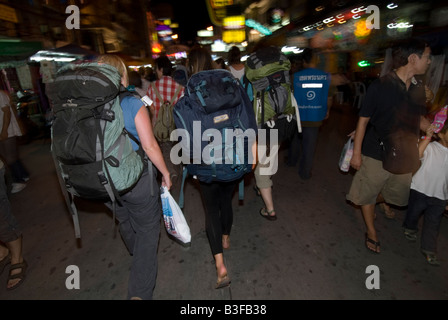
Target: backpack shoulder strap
{"x": 156, "y": 92}
{"x": 175, "y": 94}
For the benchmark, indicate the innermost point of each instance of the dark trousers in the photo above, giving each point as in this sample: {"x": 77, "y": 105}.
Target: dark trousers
{"x": 303, "y": 145}
{"x": 432, "y": 209}
{"x": 139, "y": 225}
{"x": 10, "y": 229}
{"x": 10, "y": 153}
{"x": 217, "y": 197}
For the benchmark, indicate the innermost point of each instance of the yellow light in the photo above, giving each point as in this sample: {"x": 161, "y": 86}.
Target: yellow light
{"x": 234, "y": 22}
{"x": 361, "y": 30}
{"x": 210, "y": 28}
{"x": 233, "y": 36}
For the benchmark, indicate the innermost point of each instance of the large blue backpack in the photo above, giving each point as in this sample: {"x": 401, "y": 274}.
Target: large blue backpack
{"x": 214, "y": 106}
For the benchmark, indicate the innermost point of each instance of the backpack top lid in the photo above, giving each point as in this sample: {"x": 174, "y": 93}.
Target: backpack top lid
{"x": 265, "y": 56}
{"x": 85, "y": 85}
{"x": 214, "y": 90}
{"x": 265, "y": 62}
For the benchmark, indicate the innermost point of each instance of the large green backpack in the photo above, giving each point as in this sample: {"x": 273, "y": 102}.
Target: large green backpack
{"x": 91, "y": 148}
{"x": 268, "y": 71}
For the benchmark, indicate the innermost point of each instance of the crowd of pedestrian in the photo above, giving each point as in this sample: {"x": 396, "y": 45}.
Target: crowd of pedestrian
{"x": 392, "y": 112}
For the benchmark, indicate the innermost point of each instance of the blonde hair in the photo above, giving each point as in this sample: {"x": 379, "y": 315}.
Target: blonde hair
{"x": 118, "y": 63}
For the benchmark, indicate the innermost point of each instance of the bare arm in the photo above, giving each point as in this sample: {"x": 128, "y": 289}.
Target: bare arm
{"x": 359, "y": 137}
{"x": 424, "y": 123}
{"x": 6, "y": 120}
{"x": 425, "y": 141}
{"x": 150, "y": 144}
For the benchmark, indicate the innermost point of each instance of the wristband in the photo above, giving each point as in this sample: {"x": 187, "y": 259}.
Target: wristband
{"x": 425, "y": 138}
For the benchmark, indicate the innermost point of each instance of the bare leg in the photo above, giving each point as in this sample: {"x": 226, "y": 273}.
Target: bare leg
{"x": 15, "y": 247}
{"x": 384, "y": 207}
{"x": 368, "y": 213}
{"x": 221, "y": 270}
{"x": 266, "y": 194}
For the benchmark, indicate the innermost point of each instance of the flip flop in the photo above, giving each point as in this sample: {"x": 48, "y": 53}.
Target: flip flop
{"x": 267, "y": 214}
{"x": 225, "y": 282}
{"x": 376, "y": 243}
{"x": 6, "y": 260}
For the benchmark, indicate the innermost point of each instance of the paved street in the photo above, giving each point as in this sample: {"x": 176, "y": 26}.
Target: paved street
{"x": 314, "y": 251}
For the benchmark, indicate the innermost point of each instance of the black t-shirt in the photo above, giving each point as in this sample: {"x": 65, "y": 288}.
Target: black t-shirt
{"x": 391, "y": 107}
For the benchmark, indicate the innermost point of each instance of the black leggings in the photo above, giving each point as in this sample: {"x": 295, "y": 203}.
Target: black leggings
{"x": 219, "y": 214}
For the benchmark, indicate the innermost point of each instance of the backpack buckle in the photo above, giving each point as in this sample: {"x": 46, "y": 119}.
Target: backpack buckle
{"x": 102, "y": 177}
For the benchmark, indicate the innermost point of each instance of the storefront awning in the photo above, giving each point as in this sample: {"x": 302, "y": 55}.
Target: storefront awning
{"x": 17, "y": 50}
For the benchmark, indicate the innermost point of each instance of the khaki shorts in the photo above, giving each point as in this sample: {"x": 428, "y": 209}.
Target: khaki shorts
{"x": 266, "y": 168}
{"x": 371, "y": 180}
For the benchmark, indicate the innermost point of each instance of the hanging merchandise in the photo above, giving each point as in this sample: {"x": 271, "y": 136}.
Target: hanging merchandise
{"x": 24, "y": 75}
{"x": 48, "y": 71}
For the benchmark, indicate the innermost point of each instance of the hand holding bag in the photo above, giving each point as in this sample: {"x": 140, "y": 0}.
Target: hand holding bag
{"x": 346, "y": 156}
{"x": 175, "y": 222}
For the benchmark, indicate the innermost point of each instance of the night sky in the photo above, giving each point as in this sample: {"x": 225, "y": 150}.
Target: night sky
{"x": 191, "y": 15}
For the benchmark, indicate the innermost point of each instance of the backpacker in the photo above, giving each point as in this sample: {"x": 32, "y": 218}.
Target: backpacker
{"x": 90, "y": 146}
{"x": 164, "y": 124}
{"x": 268, "y": 71}
{"x": 217, "y": 116}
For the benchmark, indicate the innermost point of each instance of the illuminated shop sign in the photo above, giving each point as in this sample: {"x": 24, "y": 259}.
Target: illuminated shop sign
{"x": 259, "y": 27}
{"x": 234, "y": 22}
{"x": 233, "y": 36}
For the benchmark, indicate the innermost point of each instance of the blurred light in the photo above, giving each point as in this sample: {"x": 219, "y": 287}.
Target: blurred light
{"x": 392, "y": 5}
{"x": 175, "y": 36}
{"x": 400, "y": 25}
{"x": 61, "y": 59}
{"x": 205, "y": 33}
{"x": 210, "y": 28}
{"x": 293, "y": 49}
{"x": 361, "y": 30}
{"x": 364, "y": 63}
{"x": 319, "y": 8}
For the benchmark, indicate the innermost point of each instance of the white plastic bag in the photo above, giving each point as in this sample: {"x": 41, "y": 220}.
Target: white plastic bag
{"x": 174, "y": 219}
{"x": 346, "y": 156}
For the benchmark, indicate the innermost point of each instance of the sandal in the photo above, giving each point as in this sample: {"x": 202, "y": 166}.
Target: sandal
{"x": 21, "y": 275}
{"x": 268, "y": 214}
{"x": 223, "y": 283}
{"x": 411, "y": 235}
{"x": 375, "y": 243}
{"x": 6, "y": 260}
{"x": 431, "y": 258}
